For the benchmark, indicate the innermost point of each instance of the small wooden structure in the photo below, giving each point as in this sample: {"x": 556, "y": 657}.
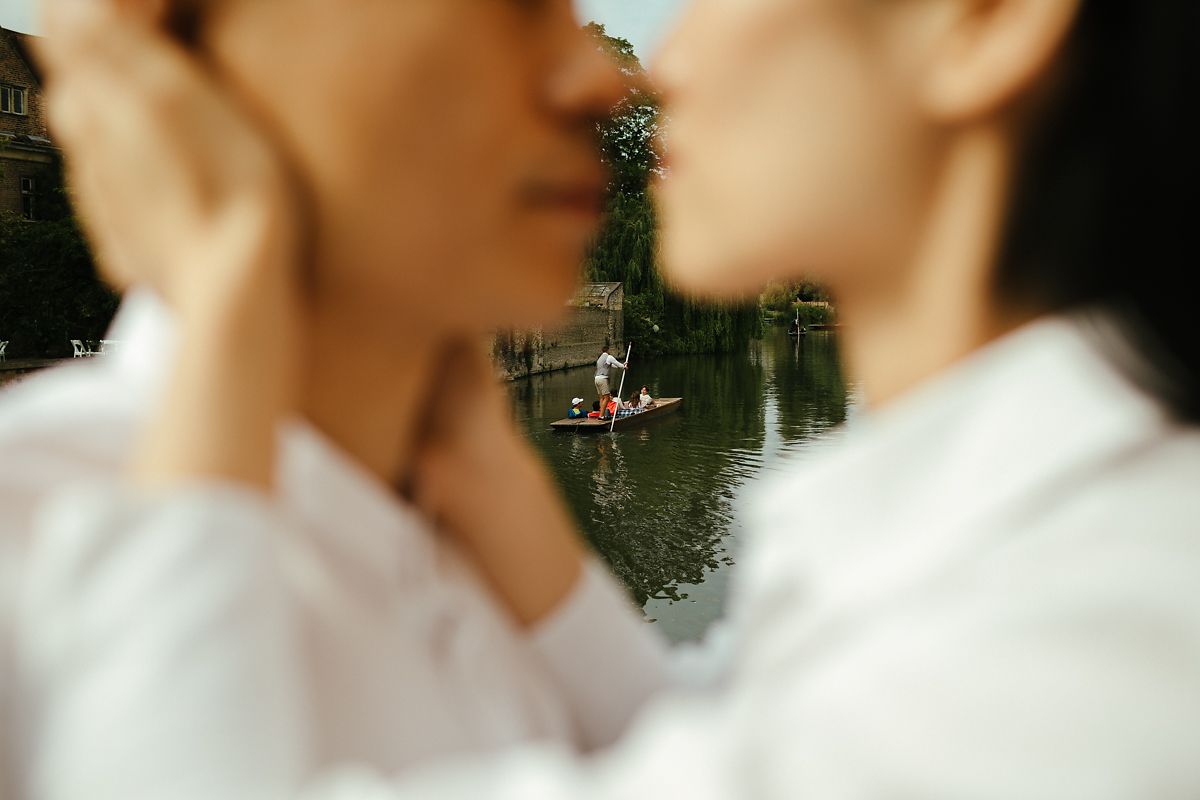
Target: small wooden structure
{"x": 662, "y": 406}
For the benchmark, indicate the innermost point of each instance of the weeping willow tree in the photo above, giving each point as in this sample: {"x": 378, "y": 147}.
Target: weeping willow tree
{"x": 627, "y": 248}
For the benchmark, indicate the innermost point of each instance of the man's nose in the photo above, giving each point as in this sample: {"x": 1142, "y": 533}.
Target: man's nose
{"x": 587, "y": 82}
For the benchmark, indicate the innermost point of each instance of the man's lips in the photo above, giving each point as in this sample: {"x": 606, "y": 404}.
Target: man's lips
{"x": 583, "y": 197}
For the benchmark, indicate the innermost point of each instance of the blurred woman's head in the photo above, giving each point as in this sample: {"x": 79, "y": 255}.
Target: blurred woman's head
{"x": 842, "y": 140}
{"x": 448, "y": 145}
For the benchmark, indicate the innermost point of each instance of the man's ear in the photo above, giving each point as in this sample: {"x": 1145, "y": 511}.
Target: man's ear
{"x": 993, "y": 53}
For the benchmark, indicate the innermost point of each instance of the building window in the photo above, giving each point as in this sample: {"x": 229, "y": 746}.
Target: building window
{"x": 29, "y": 198}
{"x": 13, "y": 100}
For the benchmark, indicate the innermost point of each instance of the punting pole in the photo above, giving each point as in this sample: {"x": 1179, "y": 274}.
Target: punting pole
{"x": 621, "y": 391}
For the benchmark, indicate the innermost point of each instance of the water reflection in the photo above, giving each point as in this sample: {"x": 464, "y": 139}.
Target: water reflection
{"x": 661, "y": 503}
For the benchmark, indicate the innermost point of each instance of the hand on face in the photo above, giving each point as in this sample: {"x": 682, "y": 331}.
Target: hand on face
{"x": 176, "y": 187}
{"x": 484, "y": 487}
{"x": 179, "y": 190}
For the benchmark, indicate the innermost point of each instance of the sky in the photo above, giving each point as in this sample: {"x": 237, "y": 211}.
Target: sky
{"x": 18, "y": 15}
{"x": 643, "y": 22}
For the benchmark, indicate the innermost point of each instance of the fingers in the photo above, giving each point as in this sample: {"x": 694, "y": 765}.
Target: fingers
{"x": 99, "y": 60}
{"x": 101, "y": 69}
{"x": 77, "y": 30}
{"x": 150, "y": 135}
{"x": 112, "y": 262}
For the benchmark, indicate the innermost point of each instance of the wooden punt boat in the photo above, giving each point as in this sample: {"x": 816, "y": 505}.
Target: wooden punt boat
{"x": 662, "y": 406}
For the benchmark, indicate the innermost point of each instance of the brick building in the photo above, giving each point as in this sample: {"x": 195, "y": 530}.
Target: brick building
{"x": 27, "y": 157}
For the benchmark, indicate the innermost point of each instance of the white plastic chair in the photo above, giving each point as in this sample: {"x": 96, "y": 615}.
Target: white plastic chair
{"x": 108, "y": 346}
{"x": 81, "y": 350}
{"x": 3, "y": 349}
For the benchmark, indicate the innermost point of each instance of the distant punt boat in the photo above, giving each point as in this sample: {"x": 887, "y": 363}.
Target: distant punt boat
{"x": 661, "y": 407}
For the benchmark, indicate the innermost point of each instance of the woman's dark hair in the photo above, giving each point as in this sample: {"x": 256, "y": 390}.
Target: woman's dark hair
{"x": 1105, "y": 197}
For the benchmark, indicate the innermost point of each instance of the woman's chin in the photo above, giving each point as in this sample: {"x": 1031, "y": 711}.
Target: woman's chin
{"x": 701, "y": 267}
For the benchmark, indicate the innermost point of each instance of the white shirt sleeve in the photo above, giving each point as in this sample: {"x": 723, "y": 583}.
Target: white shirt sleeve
{"x": 1042, "y": 714}
{"x": 605, "y": 658}
{"x": 157, "y": 655}
{"x": 145, "y": 617}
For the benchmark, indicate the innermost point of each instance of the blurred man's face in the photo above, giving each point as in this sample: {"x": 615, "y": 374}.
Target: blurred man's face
{"x": 448, "y": 145}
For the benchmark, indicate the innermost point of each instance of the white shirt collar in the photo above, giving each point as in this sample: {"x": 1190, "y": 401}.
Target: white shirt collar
{"x": 340, "y": 499}
{"x": 145, "y": 330}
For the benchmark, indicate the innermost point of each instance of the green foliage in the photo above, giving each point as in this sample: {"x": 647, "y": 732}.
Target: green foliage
{"x": 814, "y": 314}
{"x": 809, "y": 292}
{"x": 49, "y": 291}
{"x": 784, "y": 302}
{"x": 778, "y": 297}
{"x": 621, "y": 50}
{"x": 783, "y": 297}
{"x": 627, "y": 248}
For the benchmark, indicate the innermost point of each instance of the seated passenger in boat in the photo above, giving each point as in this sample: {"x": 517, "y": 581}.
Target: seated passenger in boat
{"x": 576, "y": 411}
{"x": 628, "y": 408}
{"x": 644, "y": 399}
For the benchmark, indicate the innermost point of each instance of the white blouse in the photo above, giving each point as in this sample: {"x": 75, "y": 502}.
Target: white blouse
{"x": 991, "y": 589}
{"x": 338, "y": 628}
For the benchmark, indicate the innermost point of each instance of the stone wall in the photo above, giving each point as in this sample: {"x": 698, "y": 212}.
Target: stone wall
{"x": 594, "y": 320}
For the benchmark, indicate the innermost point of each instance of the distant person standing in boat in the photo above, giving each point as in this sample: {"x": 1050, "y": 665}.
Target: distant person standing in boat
{"x": 604, "y": 365}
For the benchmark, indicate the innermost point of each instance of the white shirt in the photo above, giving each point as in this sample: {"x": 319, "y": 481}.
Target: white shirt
{"x": 605, "y": 363}
{"x": 335, "y": 592}
{"x": 988, "y": 590}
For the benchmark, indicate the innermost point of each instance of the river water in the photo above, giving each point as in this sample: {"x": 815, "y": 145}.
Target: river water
{"x": 664, "y": 503}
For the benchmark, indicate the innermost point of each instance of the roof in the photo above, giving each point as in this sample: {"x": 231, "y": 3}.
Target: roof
{"x": 595, "y": 293}
{"x": 22, "y": 43}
